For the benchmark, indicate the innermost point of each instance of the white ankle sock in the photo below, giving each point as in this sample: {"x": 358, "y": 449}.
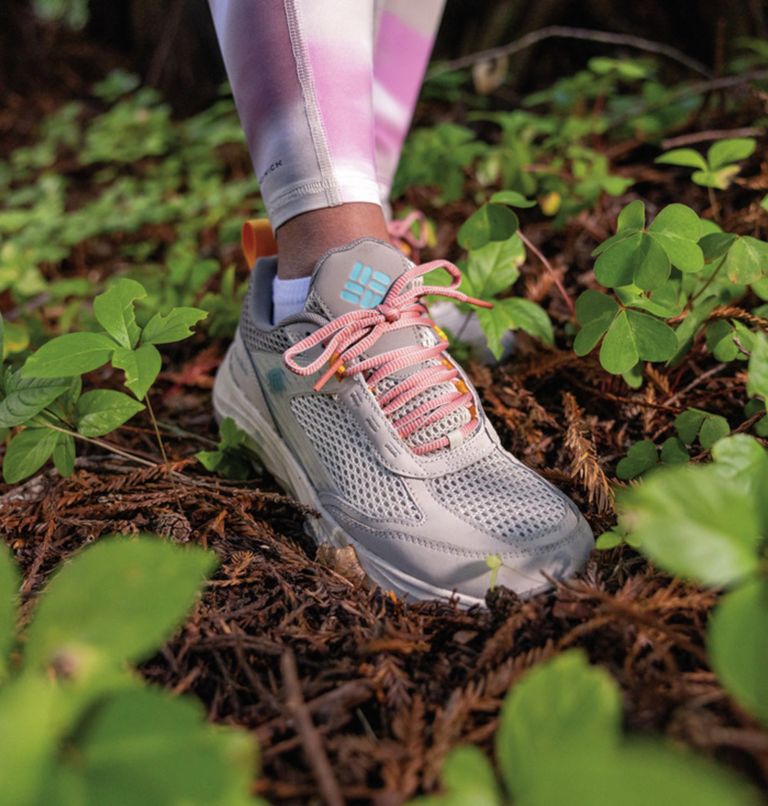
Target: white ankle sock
{"x": 288, "y": 297}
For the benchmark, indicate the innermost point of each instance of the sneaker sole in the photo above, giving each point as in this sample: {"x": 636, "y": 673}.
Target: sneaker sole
{"x": 277, "y": 458}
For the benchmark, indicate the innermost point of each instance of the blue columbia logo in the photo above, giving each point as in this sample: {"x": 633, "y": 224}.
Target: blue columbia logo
{"x": 365, "y": 287}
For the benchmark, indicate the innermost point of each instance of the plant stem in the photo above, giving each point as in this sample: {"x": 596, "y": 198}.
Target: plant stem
{"x": 553, "y": 274}
{"x": 713, "y": 204}
{"x": 105, "y": 445}
{"x": 708, "y": 281}
{"x": 157, "y": 429}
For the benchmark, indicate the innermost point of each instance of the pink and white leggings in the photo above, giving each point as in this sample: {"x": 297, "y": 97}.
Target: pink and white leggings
{"x": 325, "y": 90}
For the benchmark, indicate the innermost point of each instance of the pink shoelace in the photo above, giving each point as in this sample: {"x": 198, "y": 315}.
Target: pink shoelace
{"x": 402, "y": 236}
{"x": 348, "y": 336}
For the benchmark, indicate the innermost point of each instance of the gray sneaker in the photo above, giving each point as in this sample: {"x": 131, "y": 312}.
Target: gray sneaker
{"x": 356, "y": 408}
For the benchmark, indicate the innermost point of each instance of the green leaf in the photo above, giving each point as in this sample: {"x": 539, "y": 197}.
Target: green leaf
{"x": 685, "y": 157}
{"x": 642, "y": 456}
{"x": 145, "y": 742}
{"x": 713, "y": 429}
{"x": 492, "y": 222}
{"x": 616, "y": 265}
{"x": 742, "y": 457}
{"x": 673, "y": 452}
{"x": 635, "y": 336}
{"x": 68, "y": 355}
{"x": 9, "y": 588}
{"x": 747, "y": 260}
{"x": 757, "y": 382}
{"x": 114, "y": 311}
{"x": 466, "y": 777}
{"x": 632, "y": 217}
{"x": 720, "y": 341}
{"x": 694, "y": 522}
{"x": 492, "y": 268}
{"x": 716, "y": 244}
{"x": 677, "y": 229}
{"x": 732, "y": 150}
{"x": 738, "y": 646}
{"x": 145, "y": 747}
{"x": 26, "y": 397}
{"x": 651, "y": 264}
{"x": 121, "y": 597}
{"x": 64, "y": 455}
{"x": 512, "y": 198}
{"x": 141, "y": 367}
{"x": 28, "y": 708}
{"x": 526, "y": 315}
{"x": 513, "y": 314}
{"x": 595, "y": 312}
{"x": 27, "y": 452}
{"x": 688, "y": 423}
{"x": 103, "y": 410}
{"x": 557, "y": 708}
{"x": 175, "y": 326}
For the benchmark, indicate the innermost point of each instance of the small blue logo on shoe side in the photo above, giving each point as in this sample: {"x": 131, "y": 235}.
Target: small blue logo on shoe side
{"x": 276, "y": 380}
{"x": 365, "y": 286}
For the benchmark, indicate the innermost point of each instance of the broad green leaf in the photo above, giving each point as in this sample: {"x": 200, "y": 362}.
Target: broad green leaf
{"x": 492, "y": 222}
{"x": 714, "y": 428}
{"x": 513, "y": 314}
{"x": 121, "y": 597}
{"x": 676, "y": 229}
{"x": 512, "y": 198}
{"x": 28, "y": 709}
{"x": 616, "y": 265}
{"x": 695, "y": 522}
{"x": 466, "y": 777}
{"x": 526, "y": 315}
{"x": 141, "y": 367}
{"x": 720, "y": 341}
{"x": 651, "y": 264}
{"x": 685, "y": 157}
{"x": 679, "y": 220}
{"x": 757, "y": 382}
{"x": 145, "y": 747}
{"x": 27, "y": 452}
{"x": 732, "y": 150}
{"x": 493, "y": 268}
{"x": 618, "y": 352}
{"x": 719, "y": 179}
{"x": 738, "y": 645}
{"x": 64, "y": 454}
{"x": 103, "y": 410}
{"x": 747, "y": 260}
{"x": 716, "y": 244}
{"x": 175, "y": 326}
{"x": 642, "y": 456}
{"x": 632, "y": 217}
{"x": 740, "y": 456}
{"x": 558, "y": 707}
{"x": 68, "y": 355}
{"x": 688, "y": 423}
{"x": 593, "y": 305}
{"x": 638, "y": 774}
{"x": 114, "y": 311}
{"x": 26, "y": 397}
{"x": 633, "y": 337}
{"x": 656, "y": 341}
{"x": 673, "y": 452}
{"x": 9, "y": 587}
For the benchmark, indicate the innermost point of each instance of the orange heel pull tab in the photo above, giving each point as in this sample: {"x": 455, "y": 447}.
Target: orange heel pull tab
{"x": 257, "y": 240}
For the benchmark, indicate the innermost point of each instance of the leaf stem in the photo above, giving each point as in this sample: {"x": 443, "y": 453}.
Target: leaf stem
{"x": 101, "y": 444}
{"x": 553, "y": 274}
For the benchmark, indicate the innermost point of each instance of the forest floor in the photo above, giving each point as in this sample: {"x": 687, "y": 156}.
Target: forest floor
{"x": 392, "y": 686}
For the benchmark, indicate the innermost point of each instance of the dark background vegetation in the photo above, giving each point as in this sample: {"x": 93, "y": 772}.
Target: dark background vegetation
{"x": 173, "y": 46}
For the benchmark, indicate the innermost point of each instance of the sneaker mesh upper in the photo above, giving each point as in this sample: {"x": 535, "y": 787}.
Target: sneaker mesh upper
{"x": 351, "y": 460}
{"x": 501, "y": 497}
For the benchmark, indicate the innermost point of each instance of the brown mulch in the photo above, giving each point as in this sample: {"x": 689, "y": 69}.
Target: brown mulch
{"x": 391, "y": 687}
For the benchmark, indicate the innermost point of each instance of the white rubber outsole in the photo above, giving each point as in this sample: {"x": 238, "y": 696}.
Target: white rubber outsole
{"x": 277, "y": 458}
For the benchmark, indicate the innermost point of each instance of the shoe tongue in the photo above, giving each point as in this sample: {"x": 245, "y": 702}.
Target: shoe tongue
{"x": 355, "y": 276}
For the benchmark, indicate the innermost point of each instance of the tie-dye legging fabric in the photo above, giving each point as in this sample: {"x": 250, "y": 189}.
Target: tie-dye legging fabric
{"x": 325, "y": 90}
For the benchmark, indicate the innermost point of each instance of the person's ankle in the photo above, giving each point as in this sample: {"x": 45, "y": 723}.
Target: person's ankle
{"x": 303, "y": 240}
